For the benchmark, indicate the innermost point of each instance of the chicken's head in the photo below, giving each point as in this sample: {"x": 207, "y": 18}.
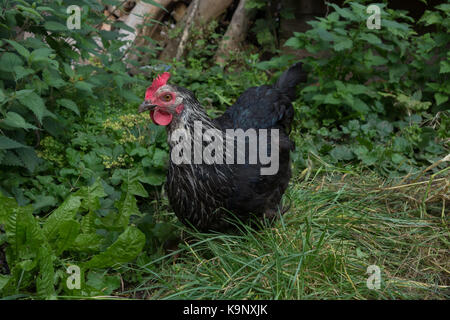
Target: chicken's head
{"x": 162, "y": 100}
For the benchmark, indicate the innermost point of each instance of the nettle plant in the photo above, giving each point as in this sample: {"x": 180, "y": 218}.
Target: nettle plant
{"x": 379, "y": 96}
{"x": 39, "y": 251}
{"x": 50, "y": 75}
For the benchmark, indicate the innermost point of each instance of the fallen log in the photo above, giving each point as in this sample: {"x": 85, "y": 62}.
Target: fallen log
{"x": 235, "y": 34}
{"x": 207, "y": 11}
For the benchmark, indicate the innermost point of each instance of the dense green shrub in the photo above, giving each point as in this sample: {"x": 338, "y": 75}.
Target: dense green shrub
{"x": 377, "y": 96}
{"x": 51, "y": 75}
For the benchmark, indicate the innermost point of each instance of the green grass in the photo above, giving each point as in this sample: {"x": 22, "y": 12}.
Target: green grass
{"x": 339, "y": 224}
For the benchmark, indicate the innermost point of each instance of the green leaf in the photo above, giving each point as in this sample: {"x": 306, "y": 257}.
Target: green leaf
{"x": 29, "y": 158}
{"x": 430, "y": 17}
{"x": 69, "y": 104}
{"x": 45, "y": 281}
{"x": 136, "y": 188}
{"x": 41, "y": 54}
{"x": 360, "y": 106}
{"x": 84, "y": 86}
{"x": 445, "y": 67}
{"x": 15, "y": 120}
{"x": 102, "y": 282}
{"x": 374, "y": 60}
{"x": 127, "y": 207}
{"x": 344, "y": 12}
{"x": 440, "y": 98}
{"x": 7, "y": 207}
{"x": 125, "y": 249}
{"x": 57, "y": 218}
{"x": 342, "y": 44}
{"x": 293, "y": 42}
{"x": 52, "y": 78}
{"x": 24, "y": 235}
{"x": 9, "y": 60}
{"x": 160, "y": 158}
{"x": 22, "y": 72}
{"x": 20, "y": 49}
{"x": 44, "y": 201}
{"x": 4, "y": 281}
{"x": 370, "y": 38}
{"x": 89, "y": 242}
{"x": 342, "y": 153}
{"x": 91, "y": 195}
{"x": 153, "y": 179}
{"x": 68, "y": 230}
{"x": 324, "y": 34}
{"x": 35, "y": 103}
{"x": 7, "y": 143}
{"x": 54, "y": 26}
{"x": 2, "y": 96}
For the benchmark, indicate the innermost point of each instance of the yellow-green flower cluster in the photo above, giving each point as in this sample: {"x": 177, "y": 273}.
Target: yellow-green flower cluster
{"x": 119, "y": 162}
{"x": 124, "y": 124}
{"x": 51, "y": 150}
{"x": 127, "y": 121}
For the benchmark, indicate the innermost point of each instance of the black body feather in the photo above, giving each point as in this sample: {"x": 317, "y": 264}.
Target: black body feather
{"x": 204, "y": 195}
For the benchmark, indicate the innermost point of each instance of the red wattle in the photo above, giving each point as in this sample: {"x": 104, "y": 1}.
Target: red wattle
{"x": 161, "y": 117}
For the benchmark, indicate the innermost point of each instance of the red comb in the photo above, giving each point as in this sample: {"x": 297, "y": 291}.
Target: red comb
{"x": 161, "y": 80}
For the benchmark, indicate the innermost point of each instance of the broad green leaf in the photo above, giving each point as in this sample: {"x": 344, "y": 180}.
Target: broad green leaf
{"x": 430, "y": 17}
{"x": 57, "y": 218}
{"x": 360, "y": 106}
{"x": 293, "y": 42}
{"x": 20, "y": 49}
{"x": 440, "y": 98}
{"x": 45, "y": 281}
{"x": 374, "y": 60}
{"x": 22, "y": 72}
{"x": 125, "y": 249}
{"x": 29, "y": 158}
{"x": 44, "y": 201}
{"x": 2, "y": 96}
{"x": 9, "y": 60}
{"x": 89, "y": 242}
{"x": 7, "y": 143}
{"x": 55, "y": 26}
{"x": 324, "y": 34}
{"x": 342, "y": 44}
{"x": 24, "y": 235}
{"x": 91, "y": 195}
{"x": 345, "y": 12}
{"x": 4, "y": 280}
{"x": 15, "y": 120}
{"x": 52, "y": 78}
{"x": 444, "y": 67}
{"x": 127, "y": 207}
{"x": 35, "y": 103}
{"x": 136, "y": 188}
{"x": 83, "y": 85}
{"x": 371, "y": 38}
{"x": 69, "y": 104}
{"x": 41, "y": 54}
{"x": 342, "y": 153}
{"x": 153, "y": 179}
{"x": 102, "y": 282}
{"x": 7, "y": 207}
{"x": 66, "y": 235}
{"x": 160, "y": 158}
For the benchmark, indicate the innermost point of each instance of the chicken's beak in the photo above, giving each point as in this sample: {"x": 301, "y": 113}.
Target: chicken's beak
{"x": 146, "y": 105}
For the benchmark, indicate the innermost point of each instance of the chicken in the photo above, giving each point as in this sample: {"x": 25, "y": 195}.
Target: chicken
{"x": 237, "y": 164}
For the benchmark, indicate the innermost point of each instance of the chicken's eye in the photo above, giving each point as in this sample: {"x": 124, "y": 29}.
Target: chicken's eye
{"x": 167, "y": 97}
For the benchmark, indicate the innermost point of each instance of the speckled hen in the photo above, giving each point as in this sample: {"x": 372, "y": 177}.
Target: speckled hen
{"x": 204, "y": 194}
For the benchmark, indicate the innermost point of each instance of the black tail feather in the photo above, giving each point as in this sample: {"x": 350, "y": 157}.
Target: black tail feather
{"x": 290, "y": 79}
